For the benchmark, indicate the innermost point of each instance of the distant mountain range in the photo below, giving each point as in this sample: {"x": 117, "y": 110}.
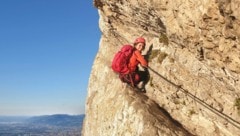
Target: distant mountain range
{"x": 51, "y": 120}
{"x": 13, "y": 119}
{"x": 57, "y": 120}
{"x": 47, "y": 125}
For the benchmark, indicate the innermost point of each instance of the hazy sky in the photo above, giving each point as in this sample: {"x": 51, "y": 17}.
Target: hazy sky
{"x": 47, "y": 48}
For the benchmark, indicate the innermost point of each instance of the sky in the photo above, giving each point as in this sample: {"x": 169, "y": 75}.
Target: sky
{"x": 47, "y": 48}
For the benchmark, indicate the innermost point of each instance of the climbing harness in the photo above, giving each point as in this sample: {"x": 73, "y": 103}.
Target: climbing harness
{"x": 127, "y": 78}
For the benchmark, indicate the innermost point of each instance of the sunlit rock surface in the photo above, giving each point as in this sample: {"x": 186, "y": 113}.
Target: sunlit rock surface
{"x": 194, "y": 50}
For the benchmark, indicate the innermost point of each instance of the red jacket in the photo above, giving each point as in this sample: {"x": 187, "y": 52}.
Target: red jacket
{"x": 135, "y": 59}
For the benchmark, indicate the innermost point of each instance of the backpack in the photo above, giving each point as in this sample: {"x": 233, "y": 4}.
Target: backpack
{"x": 121, "y": 59}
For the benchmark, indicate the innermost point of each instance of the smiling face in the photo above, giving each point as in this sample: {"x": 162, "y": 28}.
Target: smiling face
{"x": 140, "y": 46}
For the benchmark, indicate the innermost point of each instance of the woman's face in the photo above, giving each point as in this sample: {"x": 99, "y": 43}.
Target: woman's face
{"x": 140, "y": 46}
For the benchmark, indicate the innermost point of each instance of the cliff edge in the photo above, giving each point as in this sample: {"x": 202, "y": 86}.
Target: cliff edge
{"x": 194, "y": 59}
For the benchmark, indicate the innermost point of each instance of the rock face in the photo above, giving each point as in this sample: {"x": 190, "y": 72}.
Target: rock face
{"x": 194, "y": 56}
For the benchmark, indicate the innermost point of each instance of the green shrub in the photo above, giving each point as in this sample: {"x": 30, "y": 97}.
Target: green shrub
{"x": 163, "y": 39}
{"x": 171, "y": 60}
{"x": 191, "y": 112}
{"x": 184, "y": 103}
{"x": 153, "y": 54}
{"x": 237, "y": 104}
{"x": 157, "y": 53}
{"x": 176, "y": 101}
{"x": 151, "y": 82}
{"x": 162, "y": 56}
